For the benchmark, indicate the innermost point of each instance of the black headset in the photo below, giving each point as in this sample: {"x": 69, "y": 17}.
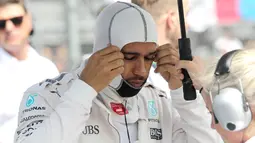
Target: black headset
{"x": 230, "y": 107}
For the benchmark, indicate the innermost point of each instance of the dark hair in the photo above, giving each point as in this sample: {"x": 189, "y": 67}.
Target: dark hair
{"x": 19, "y": 2}
{"x": 139, "y": 2}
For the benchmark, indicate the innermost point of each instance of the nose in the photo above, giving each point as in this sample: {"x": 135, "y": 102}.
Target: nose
{"x": 9, "y": 26}
{"x": 140, "y": 69}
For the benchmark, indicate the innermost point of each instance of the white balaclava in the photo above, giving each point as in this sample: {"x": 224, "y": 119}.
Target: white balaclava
{"x": 119, "y": 24}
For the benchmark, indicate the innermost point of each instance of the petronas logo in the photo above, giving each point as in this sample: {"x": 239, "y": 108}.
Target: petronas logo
{"x": 30, "y": 100}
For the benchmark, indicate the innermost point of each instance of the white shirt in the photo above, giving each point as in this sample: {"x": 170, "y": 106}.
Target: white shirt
{"x": 16, "y": 76}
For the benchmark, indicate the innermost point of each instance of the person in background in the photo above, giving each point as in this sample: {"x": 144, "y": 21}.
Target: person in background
{"x": 165, "y": 13}
{"x": 20, "y": 65}
{"x": 229, "y": 95}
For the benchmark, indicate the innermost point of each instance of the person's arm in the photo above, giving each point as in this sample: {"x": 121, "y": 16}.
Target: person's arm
{"x": 207, "y": 99}
{"x": 55, "y": 121}
{"x": 65, "y": 118}
{"x": 193, "y": 120}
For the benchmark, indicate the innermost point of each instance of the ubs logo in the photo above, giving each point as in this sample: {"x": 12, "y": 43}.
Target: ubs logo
{"x": 156, "y": 134}
{"x": 90, "y": 129}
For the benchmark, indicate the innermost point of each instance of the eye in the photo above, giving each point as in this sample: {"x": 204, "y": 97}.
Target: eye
{"x": 150, "y": 57}
{"x": 129, "y": 57}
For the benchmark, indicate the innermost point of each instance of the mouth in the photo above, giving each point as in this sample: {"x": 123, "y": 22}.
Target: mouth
{"x": 136, "y": 83}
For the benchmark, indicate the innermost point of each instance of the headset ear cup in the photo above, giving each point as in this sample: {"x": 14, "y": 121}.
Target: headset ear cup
{"x": 229, "y": 110}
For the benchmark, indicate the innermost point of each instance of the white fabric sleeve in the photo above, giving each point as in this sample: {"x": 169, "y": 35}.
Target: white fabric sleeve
{"x": 60, "y": 123}
{"x": 192, "y": 120}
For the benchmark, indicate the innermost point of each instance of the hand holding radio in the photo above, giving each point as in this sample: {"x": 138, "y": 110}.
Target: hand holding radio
{"x": 194, "y": 68}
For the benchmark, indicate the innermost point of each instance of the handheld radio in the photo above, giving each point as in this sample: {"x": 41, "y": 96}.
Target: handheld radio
{"x": 185, "y": 54}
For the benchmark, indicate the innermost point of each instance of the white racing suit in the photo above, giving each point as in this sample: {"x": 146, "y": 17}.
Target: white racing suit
{"x": 63, "y": 110}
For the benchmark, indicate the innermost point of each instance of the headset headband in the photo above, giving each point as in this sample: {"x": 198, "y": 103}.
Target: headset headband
{"x": 223, "y": 66}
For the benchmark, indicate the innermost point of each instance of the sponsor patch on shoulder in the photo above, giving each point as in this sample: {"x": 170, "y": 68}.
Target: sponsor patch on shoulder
{"x": 31, "y": 99}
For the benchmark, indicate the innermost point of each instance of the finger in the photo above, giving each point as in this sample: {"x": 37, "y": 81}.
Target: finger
{"x": 108, "y": 50}
{"x": 166, "y": 52}
{"x": 112, "y": 57}
{"x": 167, "y": 46}
{"x": 191, "y": 67}
{"x": 181, "y": 76}
{"x": 166, "y": 68}
{"x": 172, "y": 60}
{"x": 198, "y": 61}
{"x": 115, "y": 64}
{"x": 175, "y": 77}
{"x": 193, "y": 75}
{"x": 165, "y": 75}
{"x": 116, "y": 72}
{"x": 184, "y": 64}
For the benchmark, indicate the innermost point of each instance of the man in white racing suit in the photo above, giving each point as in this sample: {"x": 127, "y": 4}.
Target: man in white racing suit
{"x": 107, "y": 99}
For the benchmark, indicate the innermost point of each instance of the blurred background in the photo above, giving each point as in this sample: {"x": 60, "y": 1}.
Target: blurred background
{"x": 64, "y": 28}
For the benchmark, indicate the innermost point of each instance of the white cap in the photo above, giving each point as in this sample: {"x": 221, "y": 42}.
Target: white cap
{"x": 121, "y": 23}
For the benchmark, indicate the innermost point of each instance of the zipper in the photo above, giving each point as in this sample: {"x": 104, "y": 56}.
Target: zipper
{"x": 114, "y": 127}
